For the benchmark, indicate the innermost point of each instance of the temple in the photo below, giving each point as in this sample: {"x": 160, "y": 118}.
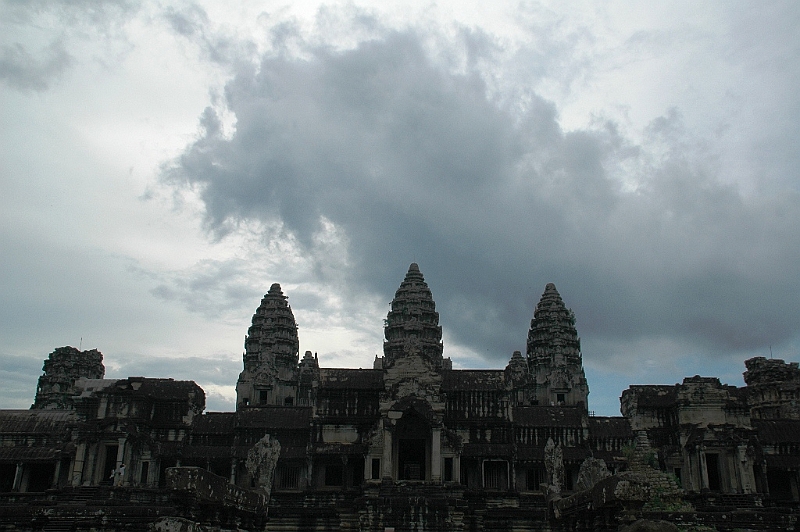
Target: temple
{"x": 409, "y": 445}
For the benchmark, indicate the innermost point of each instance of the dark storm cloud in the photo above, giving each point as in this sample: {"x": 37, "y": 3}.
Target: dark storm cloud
{"x": 416, "y": 163}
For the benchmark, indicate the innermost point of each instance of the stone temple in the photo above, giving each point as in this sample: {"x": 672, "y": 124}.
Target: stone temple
{"x": 409, "y": 445}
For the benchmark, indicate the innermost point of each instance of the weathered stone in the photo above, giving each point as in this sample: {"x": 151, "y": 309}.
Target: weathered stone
{"x": 261, "y": 461}
{"x": 774, "y": 388}
{"x": 554, "y": 463}
{"x": 592, "y": 471}
{"x": 62, "y": 368}
{"x": 410, "y": 444}
{"x": 271, "y": 354}
{"x": 646, "y": 525}
{"x": 554, "y": 353}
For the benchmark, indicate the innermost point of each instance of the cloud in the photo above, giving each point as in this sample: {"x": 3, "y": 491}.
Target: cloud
{"x": 23, "y": 71}
{"x": 42, "y": 39}
{"x": 19, "y": 377}
{"x": 413, "y": 161}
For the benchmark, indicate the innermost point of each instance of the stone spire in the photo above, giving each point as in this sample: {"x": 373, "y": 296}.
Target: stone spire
{"x": 412, "y": 325}
{"x": 273, "y": 333}
{"x": 554, "y": 352}
{"x": 62, "y": 368}
{"x": 271, "y": 353}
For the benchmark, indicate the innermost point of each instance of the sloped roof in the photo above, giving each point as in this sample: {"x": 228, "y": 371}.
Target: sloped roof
{"x": 35, "y": 421}
{"x": 29, "y": 454}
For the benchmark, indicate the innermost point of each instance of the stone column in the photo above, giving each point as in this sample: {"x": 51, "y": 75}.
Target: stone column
{"x": 77, "y": 468}
{"x": 703, "y": 470}
{"x": 121, "y": 458}
{"x": 436, "y": 455}
{"x": 91, "y": 458}
{"x": 368, "y": 467}
{"x": 17, "y": 477}
{"x": 56, "y": 475}
{"x": 233, "y": 471}
{"x": 386, "y": 463}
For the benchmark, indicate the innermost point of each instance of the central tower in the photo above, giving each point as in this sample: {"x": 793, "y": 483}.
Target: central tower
{"x": 412, "y": 325}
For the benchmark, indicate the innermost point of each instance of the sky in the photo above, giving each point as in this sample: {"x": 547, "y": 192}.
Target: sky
{"x": 163, "y": 163}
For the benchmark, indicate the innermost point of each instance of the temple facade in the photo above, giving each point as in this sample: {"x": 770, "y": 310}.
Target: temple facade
{"x": 409, "y": 445}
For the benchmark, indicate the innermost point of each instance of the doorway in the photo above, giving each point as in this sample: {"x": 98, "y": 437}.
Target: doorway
{"x": 110, "y": 464}
{"x": 411, "y": 459}
{"x": 712, "y": 468}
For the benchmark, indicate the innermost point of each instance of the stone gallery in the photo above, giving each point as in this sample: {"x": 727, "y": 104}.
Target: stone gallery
{"x": 409, "y": 445}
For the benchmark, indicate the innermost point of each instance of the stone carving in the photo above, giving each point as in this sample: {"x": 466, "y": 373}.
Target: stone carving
{"x": 62, "y": 368}
{"x": 271, "y": 351}
{"x": 592, "y": 471}
{"x": 517, "y": 368}
{"x": 773, "y": 386}
{"x": 554, "y": 353}
{"x": 554, "y": 463}
{"x": 261, "y": 461}
{"x": 412, "y": 325}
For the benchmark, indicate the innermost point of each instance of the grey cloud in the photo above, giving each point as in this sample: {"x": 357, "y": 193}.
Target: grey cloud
{"x": 24, "y": 71}
{"x": 96, "y": 13}
{"x": 415, "y": 162}
{"x": 18, "y": 376}
{"x": 210, "y": 288}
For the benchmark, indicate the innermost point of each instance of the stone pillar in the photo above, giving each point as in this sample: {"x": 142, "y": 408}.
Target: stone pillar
{"x": 17, "y": 477}
{"x": 436, "y": 455}
{"x": 120, "y": 461}
{"x": 368, "y": 467}
{"x": 386, "y": 463}
{"x": 457, "y": 468}
{"x": 91, "y": 458}
{"x": 703, "y": 471}
{"x": 77, "y": 468}
{"x": 233, "y": 471}
{"x": 56, "y": 475}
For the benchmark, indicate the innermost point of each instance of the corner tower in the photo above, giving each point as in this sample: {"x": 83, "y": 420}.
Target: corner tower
{"x": 271, "y": 356}
{"x": 62, "y": 368}
{"x": 554, "y": 353}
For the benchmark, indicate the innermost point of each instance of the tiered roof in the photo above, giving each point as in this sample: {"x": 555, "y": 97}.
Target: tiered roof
{"x": 413, "y": 321}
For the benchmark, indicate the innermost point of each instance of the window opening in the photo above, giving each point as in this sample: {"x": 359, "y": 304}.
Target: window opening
{"x": 448, "y": 469}
{"x": 495, "y": 474}
{"x": 376, "y": 468}
{"x": 333, "y": 475}
{"x": 145, "y": 472}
